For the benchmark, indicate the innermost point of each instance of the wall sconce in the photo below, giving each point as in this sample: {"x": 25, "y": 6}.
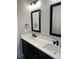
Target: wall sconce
{"x": 34, "y": 2}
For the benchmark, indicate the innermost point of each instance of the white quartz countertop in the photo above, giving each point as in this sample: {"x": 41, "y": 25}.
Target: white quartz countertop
{"x": 44, "y": 45}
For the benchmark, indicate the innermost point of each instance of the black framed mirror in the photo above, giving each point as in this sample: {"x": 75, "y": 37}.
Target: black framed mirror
{"x": 36, "y": 20}
{"x": 55, "y": 19}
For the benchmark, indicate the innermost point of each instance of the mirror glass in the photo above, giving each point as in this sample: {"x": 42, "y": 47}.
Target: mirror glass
{"x": 55, "y": 19}
{"x": 56, "y": 26}
{"x": 36, "y": 20}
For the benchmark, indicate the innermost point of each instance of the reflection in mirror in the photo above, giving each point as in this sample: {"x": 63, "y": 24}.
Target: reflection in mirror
{"x": 55, "y": 19}
{"x": 35, "y": 20}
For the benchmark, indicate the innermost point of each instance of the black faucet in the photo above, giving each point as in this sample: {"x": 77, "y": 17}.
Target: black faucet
{"x": 56, "y": 42}
{"x": 34, "y": 35}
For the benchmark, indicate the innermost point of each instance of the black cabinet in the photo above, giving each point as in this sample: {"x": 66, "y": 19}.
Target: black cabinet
{"x": 32, "y": 52}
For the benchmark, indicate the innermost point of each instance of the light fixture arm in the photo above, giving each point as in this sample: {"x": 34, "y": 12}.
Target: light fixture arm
{"x": 34, "y": 2}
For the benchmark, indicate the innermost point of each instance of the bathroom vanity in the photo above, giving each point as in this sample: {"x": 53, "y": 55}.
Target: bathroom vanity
{"x": 39, "y": 47}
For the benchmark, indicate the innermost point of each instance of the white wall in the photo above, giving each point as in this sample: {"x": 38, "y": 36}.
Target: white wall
{"x": 24, "y": 16}
{"x": 45, "y": 16}
{"x": 22, "y": 19}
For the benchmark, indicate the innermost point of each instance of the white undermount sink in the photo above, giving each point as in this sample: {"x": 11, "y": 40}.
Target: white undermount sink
{"x": 48, "y": 45}
{"x": 52, "y": 47}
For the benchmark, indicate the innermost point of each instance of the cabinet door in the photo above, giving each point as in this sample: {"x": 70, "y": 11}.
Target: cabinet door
{"x": 28, "y": 50}
{"x": 25, "y": 48}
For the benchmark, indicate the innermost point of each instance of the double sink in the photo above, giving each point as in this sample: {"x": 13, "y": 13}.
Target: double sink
{"x": 44, "y": 45}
